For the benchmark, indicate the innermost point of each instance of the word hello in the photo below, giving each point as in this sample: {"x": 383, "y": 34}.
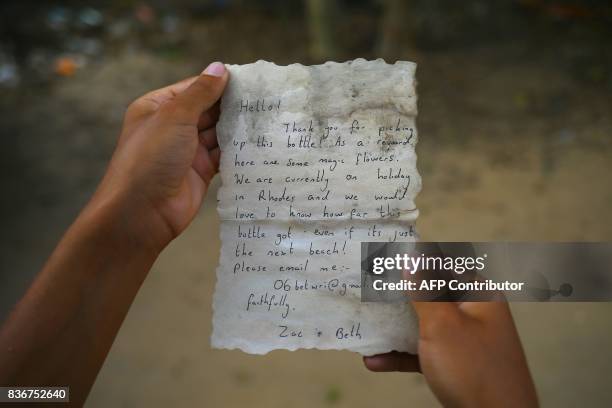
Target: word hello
{"x": 259, "y": 105}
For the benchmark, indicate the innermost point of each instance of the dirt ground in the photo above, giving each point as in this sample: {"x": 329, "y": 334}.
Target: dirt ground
{"x": 512, "y": 147}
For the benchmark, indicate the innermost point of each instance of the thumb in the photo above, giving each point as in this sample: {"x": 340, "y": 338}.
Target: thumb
{"x": 201, "y": 95}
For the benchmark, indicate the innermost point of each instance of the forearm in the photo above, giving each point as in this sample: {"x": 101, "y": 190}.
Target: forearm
{"x": 61, "y": 331}
{"x": 167, "y": 154}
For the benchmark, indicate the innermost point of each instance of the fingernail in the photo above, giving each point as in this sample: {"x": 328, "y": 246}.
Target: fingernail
{"x": 215, "y": 69}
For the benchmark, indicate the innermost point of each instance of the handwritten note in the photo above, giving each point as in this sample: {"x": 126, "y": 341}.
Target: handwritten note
{"x": 315, "y": 159}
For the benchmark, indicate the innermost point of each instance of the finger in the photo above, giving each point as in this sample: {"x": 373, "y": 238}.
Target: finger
{"x": 201, "y": 95}
{"x": 198, "y": 188}
{"x": 204, "y": 165}
{"x": 210, "y": 117}
{"x": 393, "y": 361}
{"x": 208, "y": 138}
{"x": 215, "y": 156}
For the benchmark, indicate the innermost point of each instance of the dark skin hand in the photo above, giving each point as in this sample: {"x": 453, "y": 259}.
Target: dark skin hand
{"x": 166, "y": 156}
{"x": 470, "y": 355}
{"x": 62, "y": 329}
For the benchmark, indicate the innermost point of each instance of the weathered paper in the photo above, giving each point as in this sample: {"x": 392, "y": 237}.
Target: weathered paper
{"x": 315, "y": 159}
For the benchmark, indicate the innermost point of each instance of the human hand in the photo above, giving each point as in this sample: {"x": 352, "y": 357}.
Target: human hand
{"x": 165, "y": 158}
{"x": 63, "y": 327}
{"x": 470, "y": 355}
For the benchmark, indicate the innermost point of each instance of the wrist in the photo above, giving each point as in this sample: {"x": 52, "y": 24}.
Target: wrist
{"x": 124, "y": 223}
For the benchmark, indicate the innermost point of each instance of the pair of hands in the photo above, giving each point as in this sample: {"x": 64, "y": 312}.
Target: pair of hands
{"x": 167, "y": 154}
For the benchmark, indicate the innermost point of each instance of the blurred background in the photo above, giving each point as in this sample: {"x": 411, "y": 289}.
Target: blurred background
{"x": 515, "y": 125}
